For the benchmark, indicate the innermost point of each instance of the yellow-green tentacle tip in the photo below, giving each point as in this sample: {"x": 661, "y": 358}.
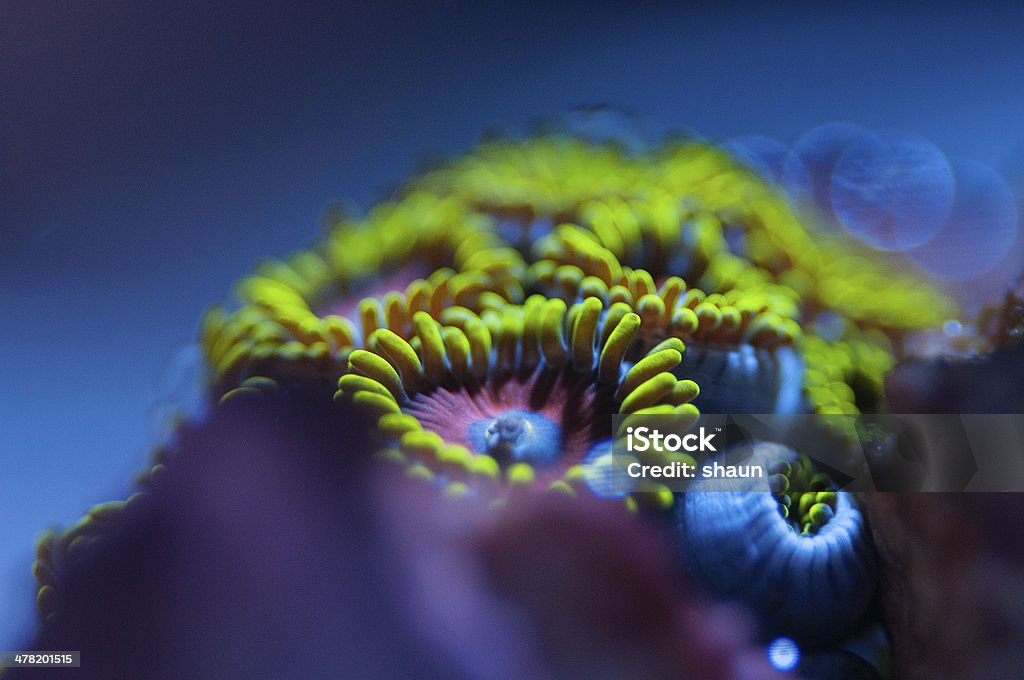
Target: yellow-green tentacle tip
{"x": 394, "y": 425}
{"x": 683, "y": 418}
{"x": 520, "y": 474}
{"x": 615, "y": 348}
{"x": 432, "y": 347}
{"x": 683, "y": 392}
{"x": 350, "y": 383}
{"x": 484, "y": 466}
{"x": 669, "y": 343}
{"x": 374, "y": 403}
{"x": 509, "y": 336}
{"x": 649, "y": 393}
{"x": 662, "y": 361}
{"x": 552, "y": 343}
{"x": 457, "y": 348}
{"x": 684, "y": 322}
{"x": 479, "y": 347}
{"x": 651, "y": 309}
{"x": 655, "y": 496}
{"x": 584, "y": 332}
{"x": 400, "y": 354}
{"x": 377, "y": 367}
{"x": 422, "y": 445}
{"x": 455, "y": 459}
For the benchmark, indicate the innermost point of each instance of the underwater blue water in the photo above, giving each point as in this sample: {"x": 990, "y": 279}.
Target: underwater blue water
{"x": 982, "y": 224}
{"x": 150, "y": 154}
{"x": 770, "y": 158}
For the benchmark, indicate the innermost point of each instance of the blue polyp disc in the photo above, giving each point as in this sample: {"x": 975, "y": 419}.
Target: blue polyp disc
{"x": 518, "y": 436}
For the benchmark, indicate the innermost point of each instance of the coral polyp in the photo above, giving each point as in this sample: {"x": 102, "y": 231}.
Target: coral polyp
{"x": 516, "y": 396}
{"x": 790, "y": 546}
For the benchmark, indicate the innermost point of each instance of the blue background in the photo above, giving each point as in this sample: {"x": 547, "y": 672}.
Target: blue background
{"x": 150, "y": 155}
